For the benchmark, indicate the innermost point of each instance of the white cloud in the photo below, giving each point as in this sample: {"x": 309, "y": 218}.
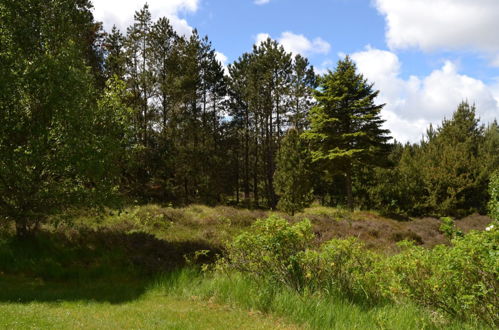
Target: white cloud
{"x": 261, "y": 37}
{"x": 298, "y": 43}
{"x": 413, "y": 103}
{"x": 120, "y": 12}
{"x": 443, "y": 24}
{"x": 261, "y": 2}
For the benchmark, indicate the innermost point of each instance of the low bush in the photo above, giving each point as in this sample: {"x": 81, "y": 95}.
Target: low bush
{"x": 460, "y": 279}
{"x": 271, "y": 250}
{"x": 344, "y": 267}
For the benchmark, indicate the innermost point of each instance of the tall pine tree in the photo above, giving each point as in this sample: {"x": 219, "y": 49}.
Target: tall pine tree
{"x": 345, "y": 125}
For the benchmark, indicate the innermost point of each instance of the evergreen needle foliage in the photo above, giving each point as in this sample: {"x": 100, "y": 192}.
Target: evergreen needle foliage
{"x": 345, "y": 125}
{"x": 292, "y": 176}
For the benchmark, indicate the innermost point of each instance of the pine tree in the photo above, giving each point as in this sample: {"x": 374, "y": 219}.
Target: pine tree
{"x": 304, "y": 82}
{"x": 115, "y": 54}
{"x": 292, "y": 177}
{"x": 451, "y": 169}
{"x": 345, "y": 124}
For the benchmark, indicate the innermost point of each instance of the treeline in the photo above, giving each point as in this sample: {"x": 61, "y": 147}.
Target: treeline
{"x": 204, "y": 135}
{"x": 447, "y": 173}
{"x": 152, "y": 116}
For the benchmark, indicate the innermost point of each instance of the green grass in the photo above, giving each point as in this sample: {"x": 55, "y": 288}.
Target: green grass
{"x": 308, "y": 310}
{"x": 152, "y": 310}
{"x": 129, "y": 270}
{"x": 188, "y": 299}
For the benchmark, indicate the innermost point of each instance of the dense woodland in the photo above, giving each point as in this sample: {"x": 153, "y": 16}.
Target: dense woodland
{"x": 100, "y": 118}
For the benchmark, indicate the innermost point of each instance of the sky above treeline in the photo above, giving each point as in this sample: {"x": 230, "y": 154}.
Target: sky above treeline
{"x": 425, "y": 56}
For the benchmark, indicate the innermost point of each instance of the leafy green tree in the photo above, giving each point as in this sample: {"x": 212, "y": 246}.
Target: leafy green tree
{"x": 292, "y": 176}
{"x": 345, "y": 125}
{"x": 55, "y": 150}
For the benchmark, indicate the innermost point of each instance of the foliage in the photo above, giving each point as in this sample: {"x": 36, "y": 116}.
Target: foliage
{"x": 345, "y": 125}
{"x": 56, "y": 143}
{"x": 494, "y": 196}
{"x": 446, "y": 174}
{"x": 449, "y": 229}
{"x": 271, "y": 251}
{"x": 461, "y": 280}
{"x": 451, "y": 173}
{"x": 345, "y": 267}
{"x": 292, "y": 176}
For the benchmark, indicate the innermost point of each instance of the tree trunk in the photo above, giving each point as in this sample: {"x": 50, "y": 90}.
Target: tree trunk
{"x": 246, "y": 158}
{"x": 348, "y": 182}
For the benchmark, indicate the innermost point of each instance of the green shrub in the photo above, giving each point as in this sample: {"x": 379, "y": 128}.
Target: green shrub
{"x": 271, "y": 250}
{"x": 494, "y": 196}
{"x": 345, "y": 267}
{"x": 449, "y": 229}
{"x": 461, "y": 280}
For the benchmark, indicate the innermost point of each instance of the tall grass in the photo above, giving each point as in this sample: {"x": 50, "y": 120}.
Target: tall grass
{"x": 315, "y": 311}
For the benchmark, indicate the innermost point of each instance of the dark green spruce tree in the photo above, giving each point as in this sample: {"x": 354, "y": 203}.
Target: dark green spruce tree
{"x": 345, "y": 125}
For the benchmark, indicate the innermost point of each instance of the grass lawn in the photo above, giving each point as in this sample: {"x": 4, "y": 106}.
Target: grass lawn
{"x": 87, "y": 306}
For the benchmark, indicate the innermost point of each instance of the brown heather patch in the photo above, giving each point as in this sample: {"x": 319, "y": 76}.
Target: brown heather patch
{"x": 382, "y": 234}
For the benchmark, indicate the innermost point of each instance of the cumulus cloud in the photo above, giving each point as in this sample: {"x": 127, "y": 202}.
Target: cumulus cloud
{"x": 120, "y": 12}
{"x": 261, "y": 2}
{"x": 413, "y": 103}
{"x": 443, "y": 24}
{"x": 298, "y": 43}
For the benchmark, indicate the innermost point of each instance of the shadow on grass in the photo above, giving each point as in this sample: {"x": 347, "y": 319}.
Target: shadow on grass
{"x": 88, "y": 265}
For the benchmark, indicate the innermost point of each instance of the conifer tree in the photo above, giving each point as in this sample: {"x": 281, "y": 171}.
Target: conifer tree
{"x": 304, "y": 82}
{"x": 292, "y": 176}
{"x": 346, "y": 130}
{"x": 451, "y": 169}
{"x": 115, "y": 54}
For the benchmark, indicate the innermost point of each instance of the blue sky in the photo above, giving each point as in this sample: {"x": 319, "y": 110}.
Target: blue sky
{"x": 425, "y": 56}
